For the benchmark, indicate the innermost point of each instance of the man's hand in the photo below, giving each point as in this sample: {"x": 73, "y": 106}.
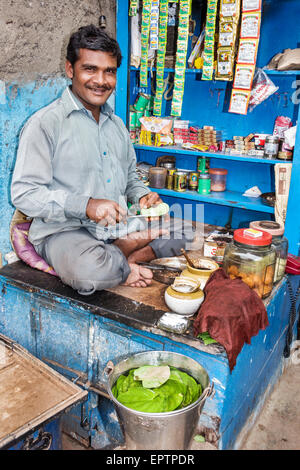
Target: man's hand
{"x": 105, "y": 212}
{"x": 151, "y": 199}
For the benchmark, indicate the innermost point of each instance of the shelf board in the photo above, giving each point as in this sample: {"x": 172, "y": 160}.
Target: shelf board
{"x": 197, "y": 71}
{"x": 196, "y": 153}
{"x": 226, "y": 198}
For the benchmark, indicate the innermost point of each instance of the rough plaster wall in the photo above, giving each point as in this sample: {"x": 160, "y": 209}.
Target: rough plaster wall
{"x": 34, "y": 34}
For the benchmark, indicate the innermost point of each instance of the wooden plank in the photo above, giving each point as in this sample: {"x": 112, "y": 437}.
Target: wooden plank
{"x": 31, "y": 393}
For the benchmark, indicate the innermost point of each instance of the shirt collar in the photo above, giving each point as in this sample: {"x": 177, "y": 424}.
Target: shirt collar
{"x": 72, "y": 103}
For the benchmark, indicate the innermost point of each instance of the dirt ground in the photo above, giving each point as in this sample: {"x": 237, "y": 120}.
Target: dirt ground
{"x": 276, "y": 428}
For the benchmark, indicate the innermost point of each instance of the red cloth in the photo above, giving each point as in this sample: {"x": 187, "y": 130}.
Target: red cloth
{"x": 231, "y": 313}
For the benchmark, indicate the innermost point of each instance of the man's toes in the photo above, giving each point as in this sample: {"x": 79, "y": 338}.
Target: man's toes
{"x": 146, "y": 273}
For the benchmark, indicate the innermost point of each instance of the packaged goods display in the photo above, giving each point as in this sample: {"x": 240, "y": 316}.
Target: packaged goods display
{"x": 209, "y": 40}
{"x": 145, "y": 33}
{"x": 246, "y": 56}
{"x": 181, "y": 56}
{"x": 189, "y": 120}
{"x": 161, "y": 54}
{"x": 228, "y": 27}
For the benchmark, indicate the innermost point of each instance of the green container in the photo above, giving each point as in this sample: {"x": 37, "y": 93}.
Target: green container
{"x": 204, "y": 183}
{"x": 132, "y": 119}
{"x": 201, "y": 164}
{"x": 139, "y": 114}
{"x": 142, "y": 102}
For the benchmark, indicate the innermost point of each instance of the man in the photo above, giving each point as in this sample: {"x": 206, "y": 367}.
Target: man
{"x": 75, "y": 173}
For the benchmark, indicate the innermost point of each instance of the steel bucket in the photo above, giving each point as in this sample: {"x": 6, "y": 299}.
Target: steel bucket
{"x": 159, "y": 431}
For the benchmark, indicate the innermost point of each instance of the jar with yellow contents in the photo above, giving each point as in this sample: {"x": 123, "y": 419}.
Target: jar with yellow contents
{"x": 251, "y": 257}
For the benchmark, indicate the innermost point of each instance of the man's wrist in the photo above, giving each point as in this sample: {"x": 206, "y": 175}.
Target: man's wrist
{"x": 76, "y": 206}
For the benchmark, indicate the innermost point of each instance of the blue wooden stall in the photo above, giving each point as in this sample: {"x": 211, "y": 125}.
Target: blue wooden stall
{"x": 79, "y": 336}
{"x": 207, "y": 103}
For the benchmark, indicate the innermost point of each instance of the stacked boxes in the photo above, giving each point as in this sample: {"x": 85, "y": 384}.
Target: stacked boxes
{"x": 209, "y": 137}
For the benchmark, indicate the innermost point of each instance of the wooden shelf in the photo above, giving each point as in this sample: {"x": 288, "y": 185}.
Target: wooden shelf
{"x": 226, "y": 198}
{"x": 225, "y": 156}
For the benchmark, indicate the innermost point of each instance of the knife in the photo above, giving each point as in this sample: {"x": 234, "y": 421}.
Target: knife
{"x": 160, "y": 267}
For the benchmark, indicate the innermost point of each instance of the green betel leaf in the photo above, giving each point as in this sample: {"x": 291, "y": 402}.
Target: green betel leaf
{"x": 199, "y": 438}
{"x": 206, "y": 338}
{"x": 174, "y": 392}
{"x": 152, "y": 376}
{"x": 192, "y": 388}
{"x": 156, "y": 211}
{"x": 142, "y": 389}
{"x": 143, "y": 399}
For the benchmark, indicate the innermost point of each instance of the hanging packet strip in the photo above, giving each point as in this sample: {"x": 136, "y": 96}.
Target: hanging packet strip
{"x": 161, "y": 54}
{"x": 244, "y": 76}
{"x": 251, "y": 5}
{"x": 247, "y": 51}
{"x": 209, "y": 40}
{"x": 133, "y": 7}
{"x": 230, "y": 9}
{"x": 154, "y": 25}
{"x": 250, "y": 26}
{"x": 246, "y": 58}
{"x": 145, "y": 32}
{"x": 228, "y": 26}
{"x": 181, "y": 55}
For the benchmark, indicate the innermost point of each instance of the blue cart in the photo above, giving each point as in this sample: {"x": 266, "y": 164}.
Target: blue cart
{"x": 79, "y": 336}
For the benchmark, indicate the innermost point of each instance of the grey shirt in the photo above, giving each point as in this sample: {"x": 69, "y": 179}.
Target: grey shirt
{"x": 64, "y": 158}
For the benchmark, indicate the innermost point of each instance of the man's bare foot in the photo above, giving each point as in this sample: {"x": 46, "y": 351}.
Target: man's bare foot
{"x": 139, "y": 276}
{"x": 143, "y": 255}
{"x": 137, "y": 240}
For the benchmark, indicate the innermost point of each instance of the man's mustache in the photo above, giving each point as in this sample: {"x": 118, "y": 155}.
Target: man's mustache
{"x": 101, "y": 88}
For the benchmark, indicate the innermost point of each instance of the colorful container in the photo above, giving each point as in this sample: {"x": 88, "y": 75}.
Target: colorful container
{"x": 204, "y": 183}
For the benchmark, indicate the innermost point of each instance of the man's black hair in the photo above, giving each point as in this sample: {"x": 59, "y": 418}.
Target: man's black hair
{"x": 93, "y": 38}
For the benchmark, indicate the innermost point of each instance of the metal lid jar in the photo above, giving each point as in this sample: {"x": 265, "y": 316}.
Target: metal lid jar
{"x": 251, "y": 257}
{"x": 271, "y": 146}
{"x": 280, "y": 243}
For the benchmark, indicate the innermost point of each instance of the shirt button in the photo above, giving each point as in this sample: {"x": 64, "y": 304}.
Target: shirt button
{"x": 109, "y": 180}
{"x": 104, "y": 153}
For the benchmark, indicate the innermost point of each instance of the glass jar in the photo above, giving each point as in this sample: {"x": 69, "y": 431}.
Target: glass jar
{"x": 157, "y": 177}
{"x": 251, "y": 257}
{"x": 271, "y": 146}
{"x": 280, "y": 243}
{"x": 218, "y": 179}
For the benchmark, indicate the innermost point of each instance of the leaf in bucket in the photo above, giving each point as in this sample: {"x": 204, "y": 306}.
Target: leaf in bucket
{"x": 152, "y": 376}
{"x": 173, "y": 392}
{"x": 143, "y": 399}
{"x": 192, "y": 388}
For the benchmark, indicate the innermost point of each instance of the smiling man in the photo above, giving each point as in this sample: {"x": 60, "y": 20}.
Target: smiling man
{"x": 76, "y": 172}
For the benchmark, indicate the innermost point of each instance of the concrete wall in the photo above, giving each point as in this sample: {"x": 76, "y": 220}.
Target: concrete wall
{"x": 34, "y": 33}
{"x": 33, "y": 40}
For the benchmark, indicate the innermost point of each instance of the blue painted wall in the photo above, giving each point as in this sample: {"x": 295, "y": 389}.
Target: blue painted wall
{"x": 17, "y": 103}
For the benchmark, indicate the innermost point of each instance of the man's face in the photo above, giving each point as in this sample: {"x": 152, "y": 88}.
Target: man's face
{"x": 93, "y": 77}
